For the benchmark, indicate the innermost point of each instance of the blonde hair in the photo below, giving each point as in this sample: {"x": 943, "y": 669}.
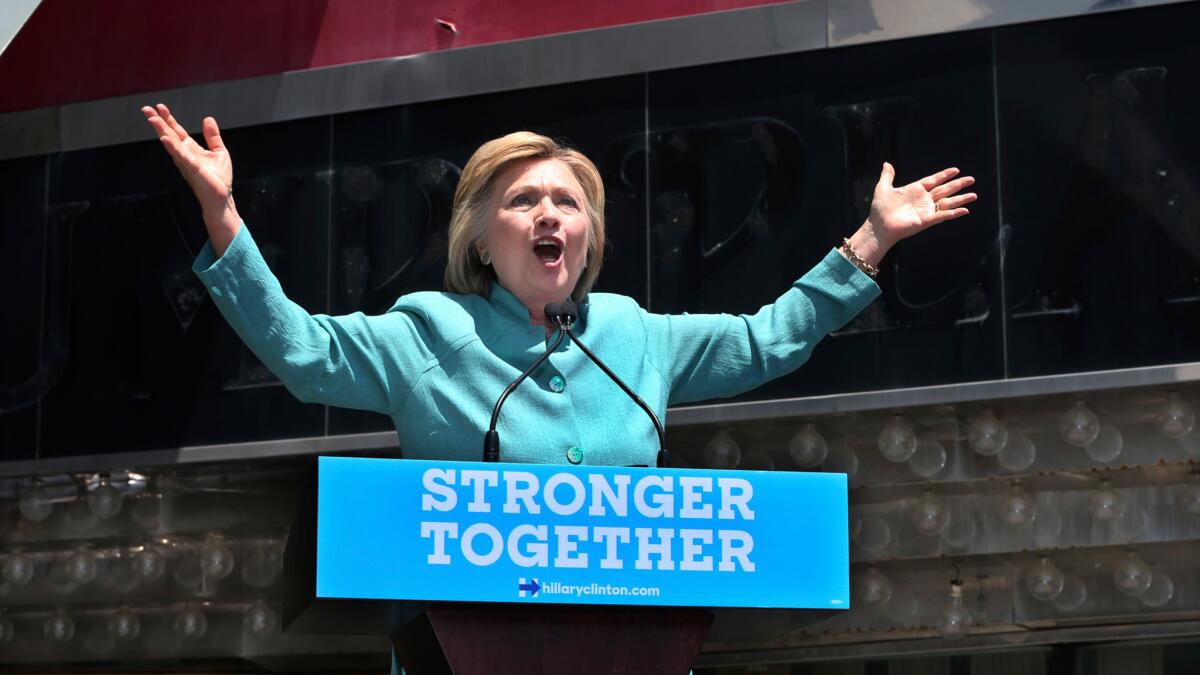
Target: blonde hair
{"x": 465, "y": 273}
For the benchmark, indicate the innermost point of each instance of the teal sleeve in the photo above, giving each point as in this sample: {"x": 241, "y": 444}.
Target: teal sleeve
{"x": 704, "y": 356}
{"x": 353, "y": 361}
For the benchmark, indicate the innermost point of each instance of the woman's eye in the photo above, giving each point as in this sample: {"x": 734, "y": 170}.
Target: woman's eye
{"x": 521, "y": 200}
{"x": 568, "y": 201}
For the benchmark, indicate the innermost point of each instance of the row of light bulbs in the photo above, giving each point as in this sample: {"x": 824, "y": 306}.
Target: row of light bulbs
{"x": 1044, "y": 581}
{"x": 124, "y": 624}
{"x": 146, "y": 563}
{"x": 1018, "y": 510}
{"x": 987, "y": 435}
{"x": 104, "y": 501}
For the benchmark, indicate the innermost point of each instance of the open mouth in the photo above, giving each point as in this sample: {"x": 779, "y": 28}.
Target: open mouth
{"x": 549, "y": 250}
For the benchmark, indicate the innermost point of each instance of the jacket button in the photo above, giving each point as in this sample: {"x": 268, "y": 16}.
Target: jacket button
{"x": 557, "y": 384}
{"x": 575, "y": 454}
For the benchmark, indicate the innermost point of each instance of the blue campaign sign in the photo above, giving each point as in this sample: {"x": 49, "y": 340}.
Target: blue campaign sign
{"x": 466, "y": 531}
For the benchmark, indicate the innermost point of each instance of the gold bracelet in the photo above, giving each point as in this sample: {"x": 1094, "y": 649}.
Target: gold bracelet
{"x": 867, "y": 268}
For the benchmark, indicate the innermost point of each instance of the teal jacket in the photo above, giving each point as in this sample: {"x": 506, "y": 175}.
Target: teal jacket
{"x": 436, "y": 362}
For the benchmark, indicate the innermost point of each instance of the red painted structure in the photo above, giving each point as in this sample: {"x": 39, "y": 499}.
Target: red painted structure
{"x": 79, "y": 50}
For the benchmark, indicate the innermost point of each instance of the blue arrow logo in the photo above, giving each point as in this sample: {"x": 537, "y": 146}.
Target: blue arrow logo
{"x": 530, "y": 587}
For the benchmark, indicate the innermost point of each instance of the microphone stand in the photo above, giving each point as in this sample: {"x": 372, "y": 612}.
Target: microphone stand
{"x": 565, "y": 318}
{"x": 491, "y": 439}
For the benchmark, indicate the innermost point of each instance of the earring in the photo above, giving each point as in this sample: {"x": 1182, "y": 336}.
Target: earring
{"x": 485, "y": 258}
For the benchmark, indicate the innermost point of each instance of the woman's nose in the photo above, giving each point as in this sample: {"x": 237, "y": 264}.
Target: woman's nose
{"x": 547, "y": 214}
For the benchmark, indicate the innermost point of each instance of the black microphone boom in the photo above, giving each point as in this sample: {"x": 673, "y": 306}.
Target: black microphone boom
{"x": 491, "y": 439}
{"x": 565, "y": 315}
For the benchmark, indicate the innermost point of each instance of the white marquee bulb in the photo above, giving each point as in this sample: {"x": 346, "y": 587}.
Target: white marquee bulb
{"x": 987, "y": 434}
{"x": 1176, "y": 417}
{"x": 216, "y": 559}
{"x": 1044, "y": 580}
{"x": 1017, "y": 509}
{"x": 722, "y": 452}
{"x": 258, "y": 619}
{"x": 263, "y": 566}
{"x": 81, "y": 566}
{"x": 1160, "y": 591}
{"x": 191, "y": 624}
{"x": 808, "y": 447}
{"x": 1131, "y": 575}
{"x": 1105, "y": 503}
{"x": 105, "y": 500}
{"x": 930, "y": 515}
{"x": 955, "y": 621}
{"x": 124, "y": 625}
{"x": 36, "y": 504}
{"x": 149, "y": 563}
{"x": 897, "y": 440}
{"x": 1079, "y": 425}
{"x": 929, "y": 458}
{"x": 59, "y": 627}
{"x": 875, "y": 589}
{"x": 18, "y": 569}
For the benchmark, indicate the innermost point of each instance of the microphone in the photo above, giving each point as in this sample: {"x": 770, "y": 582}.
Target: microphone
{"x": 564, "y": 316}
{"x": 491, "y": 439}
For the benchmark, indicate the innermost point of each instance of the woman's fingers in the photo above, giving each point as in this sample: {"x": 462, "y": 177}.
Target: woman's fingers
{"x": 952, "y": 187}
{"x": 212, "y": 135}
{"x": 952, "y": 203}
{"x": 932, "y": 181}
{"x": 176, "y": 128}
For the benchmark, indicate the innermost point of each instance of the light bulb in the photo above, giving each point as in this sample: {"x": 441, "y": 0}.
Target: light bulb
{"x": 190, "y": 623}
{"x": 259, "y": 619}
{"x": 1130, "y": 575}
{"x": 1018, "y": 453}
{"x": 955, "y": 621}
{"x": 842, "y": 459}
{"x": 929, "y": 458}
{"x": 987, "y": 434}
{"x": 149, "y": 563}
{"x": 36, "y": 504}
{"x": 757, "y": 460}
{"x": 897, "y": 441}
{"x": 18, "y": 569}
{"x": 124, "y": 625}
{"x": 1105, "y": 503}
{"x": 930, "y": 515}
{"x": 874, "y": 588}
{"x": 1160, "y": 591}
{"x": 6, "y": 628}
{"x": 1175, "y": 416}
{"x": 1017, "y": 508}
{"x": 1107, "y": 446}
{"x": 105, "y": 500}
{"x": 81, "y": 566}
{"x": 1044, "y": 581}
{"x": 722, "y": 452}
{"x": 1074, "y": 594}
{"x": 262, "y": 567}
{"x": 59, "y": 627}
{"x": 1190, "y": 499}
{"x": 874, "y": 534}
{"x": 216, "y": 559}
{"x": 1079, "y": 425}
{"x": 960, "y": 530}
{"x": 808, "y": 447}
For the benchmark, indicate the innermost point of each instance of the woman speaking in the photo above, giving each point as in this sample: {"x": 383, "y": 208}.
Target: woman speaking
{"x": 527, "y": 229}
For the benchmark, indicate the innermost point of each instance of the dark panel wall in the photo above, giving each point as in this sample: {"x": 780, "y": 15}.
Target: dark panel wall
{"x": 725, "y": 183}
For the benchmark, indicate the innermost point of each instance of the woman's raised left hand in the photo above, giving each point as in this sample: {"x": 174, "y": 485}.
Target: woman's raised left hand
{"x": 900, "y": 212}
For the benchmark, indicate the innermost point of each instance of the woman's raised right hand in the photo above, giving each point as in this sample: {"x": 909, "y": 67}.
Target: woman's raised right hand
{"x": 209, "y": 171}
